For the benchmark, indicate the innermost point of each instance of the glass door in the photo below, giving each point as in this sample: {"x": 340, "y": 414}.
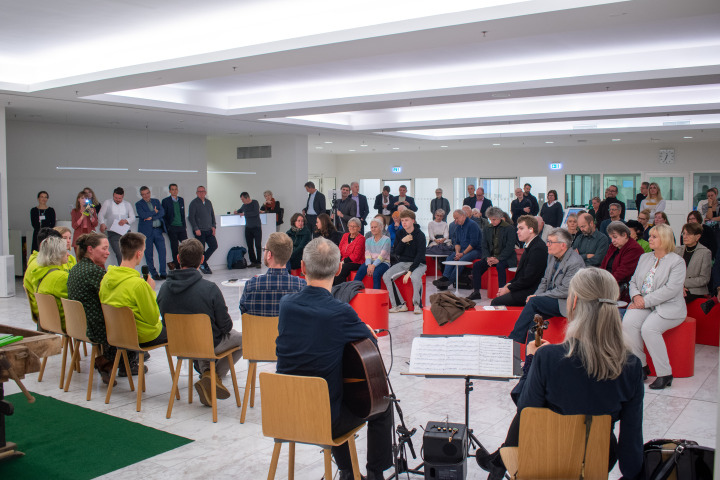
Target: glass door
{"x": 424, "y": 193}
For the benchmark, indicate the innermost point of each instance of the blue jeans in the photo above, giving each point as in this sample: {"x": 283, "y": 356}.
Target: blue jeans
{"x": 449, "y": 270}
{"x": 377, "y": 274}
{"x": 158, "y": 240}
{"x": 545, "y": 306}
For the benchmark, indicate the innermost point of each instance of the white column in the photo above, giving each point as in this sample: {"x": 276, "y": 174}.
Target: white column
{"x": 4, "y": 222}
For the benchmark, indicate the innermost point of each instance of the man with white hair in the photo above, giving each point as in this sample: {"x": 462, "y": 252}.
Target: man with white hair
{"x": 467, "y": 241}
{"x": 550, "y": 298}
{"x": 313, "y": 330}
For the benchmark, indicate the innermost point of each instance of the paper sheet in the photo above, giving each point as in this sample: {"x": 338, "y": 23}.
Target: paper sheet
{"x": 119, "y": 229}
{"x": 474, "y": 355}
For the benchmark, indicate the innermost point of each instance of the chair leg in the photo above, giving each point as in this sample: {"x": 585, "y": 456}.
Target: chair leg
{"x": 291, "y": 461}
{"x": 127, "y": 370}
{"x": 190, "y": 380}
{"x": 172, "y": 370}
{"x": 74, "y": 359}
{"x": 248, "y": 383}
{"x": 252, "y": 387}
{"x": 42, "y": 369}
{"x": 65, "y": 343}
{"x": 95, "y": 351}
{"x": 274, "y": 462}
{"x": 213, "y": 391}
{"x": 141, "y": 380}
{"x": 234, "y": 379}
{"x": 85, "y": 348}
{"x": 116, "y": 363}
{"x": 328, "y": 463}
{"x": 176, "y": 378}
{"x": 354, "y": 458}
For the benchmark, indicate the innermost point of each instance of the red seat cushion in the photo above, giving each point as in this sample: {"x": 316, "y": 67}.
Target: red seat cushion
{"x": 680, "y": 344}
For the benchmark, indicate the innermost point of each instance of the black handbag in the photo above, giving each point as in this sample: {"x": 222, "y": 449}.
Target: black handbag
{"x": 677, "y": 459}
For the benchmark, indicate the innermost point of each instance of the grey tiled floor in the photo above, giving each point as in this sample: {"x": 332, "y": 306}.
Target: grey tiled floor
{"x": 229, "y": 450}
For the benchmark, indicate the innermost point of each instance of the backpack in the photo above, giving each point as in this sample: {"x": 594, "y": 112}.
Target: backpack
{"x": 236, "y": 258}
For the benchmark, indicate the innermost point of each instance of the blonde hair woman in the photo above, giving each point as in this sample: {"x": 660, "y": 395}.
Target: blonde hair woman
{"x": 656, "y": 290}
{"x": 67, "y": 235}
{"x": 591, "y": 373}
{"x": 654, "y": 201}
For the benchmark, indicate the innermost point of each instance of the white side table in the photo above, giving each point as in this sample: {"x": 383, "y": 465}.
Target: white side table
{"x": 457, "y": 263}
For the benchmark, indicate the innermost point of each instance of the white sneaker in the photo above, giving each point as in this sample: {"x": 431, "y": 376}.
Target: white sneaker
{"x": 399, "y": 308}
{"x": 418, "y": 310}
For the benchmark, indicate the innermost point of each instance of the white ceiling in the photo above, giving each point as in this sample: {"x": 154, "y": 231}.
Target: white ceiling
{"x": 400, "y": 75}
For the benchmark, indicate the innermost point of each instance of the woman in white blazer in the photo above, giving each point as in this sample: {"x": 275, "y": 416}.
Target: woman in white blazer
{"x": 657, "y": 305}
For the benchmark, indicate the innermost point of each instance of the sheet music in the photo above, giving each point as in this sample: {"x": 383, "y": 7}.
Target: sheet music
{"x": 474, "y": 355}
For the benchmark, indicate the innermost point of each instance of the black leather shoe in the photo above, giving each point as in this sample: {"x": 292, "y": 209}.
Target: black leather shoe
{"x": 474, "y": 296}
{"x": 646, "y": 372}
{"x": 348, "y": 475}
{"x": 707, "y": 306}
{"x": 661, "y": 382}
{"x": 207, "y": 270}
{"x": 441, "y": 282}
{"x": 156, "y": 277}
{"x": 374, "y": 475}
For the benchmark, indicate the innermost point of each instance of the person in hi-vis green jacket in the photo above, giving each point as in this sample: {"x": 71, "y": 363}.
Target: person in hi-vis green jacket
{"x": 34, "y": 273}
{"x": 124, "y": 286}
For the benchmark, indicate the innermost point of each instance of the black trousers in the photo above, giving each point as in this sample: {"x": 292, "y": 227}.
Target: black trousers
{"x": 379, "y": 439}
{"x": 253, "y": 239}
{"x": 206, "y": 237}
{"x": 161, "y": 338}
{"x": 512, "y": 299}
{"x": 347, "y": 267}
{"x": 176, "y": 234}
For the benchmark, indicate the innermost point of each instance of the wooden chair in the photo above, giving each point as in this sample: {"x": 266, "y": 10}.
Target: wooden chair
{"x": 122, "y": 334}
{"x": 554, "y": 446}
{"x": 297, "y": 410}
{"x": 49, "y": 320}
{"x": 259, "y": 335}
{"x": 76, "y": 327}
{"x": 191, "y": 337}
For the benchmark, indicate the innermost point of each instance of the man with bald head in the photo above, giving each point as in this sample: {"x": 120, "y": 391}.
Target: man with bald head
{"x": 543, "y": 230}
{"x": 590, "y": 244}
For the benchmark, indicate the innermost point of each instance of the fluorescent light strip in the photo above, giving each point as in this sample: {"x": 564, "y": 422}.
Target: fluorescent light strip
{"x": 161, "y": 170}
{"x": 235, "y": 173}
{"x": 91, "y": 168}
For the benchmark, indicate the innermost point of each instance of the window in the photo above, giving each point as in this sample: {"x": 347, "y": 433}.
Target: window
{"x": 500, "y": 191}
{"x": 671, "y": 188}
{"x": 580, "y": 189}
{"x": 628, "y": 186}
{"x": 538, "y": 184}
{"x": 701, "y": 183}
{"x": 424, "y": 193}
{"x": 460, "y": 185}
{"x": 370, "y": 187}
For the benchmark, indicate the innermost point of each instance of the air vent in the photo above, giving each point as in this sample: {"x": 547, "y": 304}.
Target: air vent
{"x": 254, "y": 152}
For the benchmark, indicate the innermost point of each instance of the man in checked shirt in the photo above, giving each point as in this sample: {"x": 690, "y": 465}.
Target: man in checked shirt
{"x": 262, "y": 294}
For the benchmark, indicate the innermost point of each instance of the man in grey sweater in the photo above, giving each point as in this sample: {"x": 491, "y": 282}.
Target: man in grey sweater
{"x": 253, "y": 228}
{"x": 591, "y": 244}
{"x": 202, "y": 221}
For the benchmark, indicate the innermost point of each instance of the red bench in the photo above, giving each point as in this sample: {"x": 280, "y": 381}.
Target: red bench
{"x": 708, "y": 326}
{"x": 372, "y": 306}
{"x": 492, "y": 282}
{"x": 680, "y": 343}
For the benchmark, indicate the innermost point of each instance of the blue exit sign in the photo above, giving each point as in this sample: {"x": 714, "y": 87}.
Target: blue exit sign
{"x": 396, "y": 169}
{"x": 555, "y": 166}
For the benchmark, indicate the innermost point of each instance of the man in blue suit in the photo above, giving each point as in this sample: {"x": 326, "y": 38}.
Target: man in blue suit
{"x": 174, "y": 207}
{"x": 152, "y": 225}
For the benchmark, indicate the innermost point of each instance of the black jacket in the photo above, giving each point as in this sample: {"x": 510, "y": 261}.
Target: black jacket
{"x": 508, "y": 239}
{"x": 530, "y": 269}
{"x": 364, "y": 209}
{"x": 167, "y": 204}
{"x": 472, "y": 201}
{"x": 379, "y": 206}
{"x": 534, "y": 207}
{"x": 187, "y": 292}
{"x": 412, "y": 251}
{"x": 318, "y": 204}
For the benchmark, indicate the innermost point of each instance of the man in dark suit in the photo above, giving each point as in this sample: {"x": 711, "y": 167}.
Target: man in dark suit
{"x": 314, "y": 206}
{"x": 345, "y": 209}
{"x": 478, "y": 201}
{"x": 404, "y": 199}
{"x": 534, "y": 207}
{"x": 530, "y": 269}
{"x": 470, "y": 199}
{"x": 361, "y": 203}
{"x": 152, "y": 225}
{"x": 384, "y": 204}
{"x": 174, "y": 207}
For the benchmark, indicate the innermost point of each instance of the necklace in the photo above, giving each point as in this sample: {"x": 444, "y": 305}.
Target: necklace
{"x": 687, "y": 249}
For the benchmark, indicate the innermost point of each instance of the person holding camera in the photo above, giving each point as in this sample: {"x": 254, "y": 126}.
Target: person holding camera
{"x": 83, "y": 216}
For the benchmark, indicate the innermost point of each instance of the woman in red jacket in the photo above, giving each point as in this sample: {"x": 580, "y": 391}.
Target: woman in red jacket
{"x": 352, "y": 251}
{"x": 622, "y": 256}
{"x": 84, "y": 218}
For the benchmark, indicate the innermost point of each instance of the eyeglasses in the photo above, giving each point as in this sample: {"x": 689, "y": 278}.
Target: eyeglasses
{"x": 266, "y": 249}
{"x": 550, "y": 242}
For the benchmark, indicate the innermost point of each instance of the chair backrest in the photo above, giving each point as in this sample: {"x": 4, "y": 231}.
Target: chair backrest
{"x": 295, "y": 408}
{"x": 258, "y": 337}
{"x": 75, "y": 320}
{"x": 189, "y": 336}
{"x": 120, "y": 327}
{"x": 48, "y": 313}
{"x": 552, "y": 445}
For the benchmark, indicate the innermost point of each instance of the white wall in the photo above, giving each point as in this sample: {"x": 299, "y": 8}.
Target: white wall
{"x": 284, "y": 174}
{"x": 36, "y": 149}
{"x": 322, "y": 164}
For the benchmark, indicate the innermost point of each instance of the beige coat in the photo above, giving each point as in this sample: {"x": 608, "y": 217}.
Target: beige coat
{"x": 697, "y": 276}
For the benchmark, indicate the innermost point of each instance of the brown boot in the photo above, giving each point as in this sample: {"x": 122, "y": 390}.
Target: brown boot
{"x": 221, "y": 390}
{"x": 202, "y": 387}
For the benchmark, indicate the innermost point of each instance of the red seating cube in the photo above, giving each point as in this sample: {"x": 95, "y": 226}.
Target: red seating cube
{"x": 372, "y": 306}
{"x": 680, "y": 343}
{"x": 367, "y": 281}
{"x": 708, "y": 326}
{"x": 493, "y": 287}
{"x": 406, "y": 292}
{"x": 476, "y": 321}
{"x": 297, "y": 272}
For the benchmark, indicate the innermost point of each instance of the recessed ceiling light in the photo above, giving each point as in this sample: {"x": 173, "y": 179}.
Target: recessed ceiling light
{"x": 328, "y": 142}
{"x": 687, "y": 137}
{"x": 363, "y": 145}
{"x": 616, "y": 139}
{"x": 318, "y": 148}
{"x": 443, "y": 146}
{"x": 500, "y": 95}
{"x": 496, "y": 144}
{"x": 396, "y": 148}
{"x": 549, "y": 142}
{"x": 352, "y": 150}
